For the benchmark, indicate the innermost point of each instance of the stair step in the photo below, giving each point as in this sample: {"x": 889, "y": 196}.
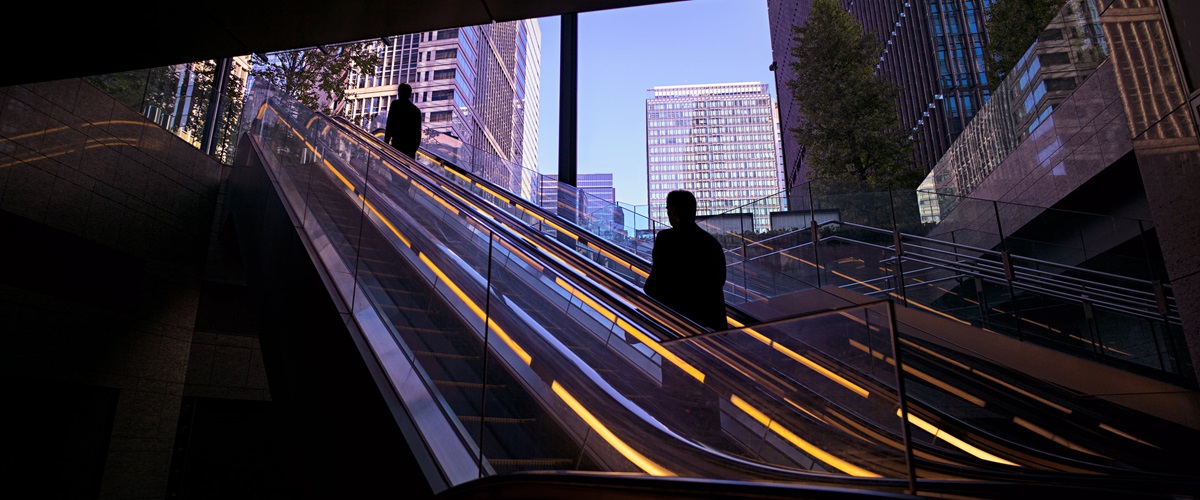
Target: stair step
{"x": 533, "y": 462}
{"x": 445, "y": 355}
{"x": 472, "y": 385}
{"x": 498, "y": 420}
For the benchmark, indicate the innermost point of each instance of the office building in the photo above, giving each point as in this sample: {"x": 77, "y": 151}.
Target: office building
{"x": 719, "y": 141}
{"x": 479, "y": 84}
{"x": 597, "y": 205}
{"x": 934, "y": 51}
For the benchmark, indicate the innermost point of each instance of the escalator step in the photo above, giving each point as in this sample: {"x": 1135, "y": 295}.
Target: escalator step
{"x": 498, "y": 420}
{"x": 533, "y": 462}
{"x": 472, "y": 385}
{"x": 445, "y": 355}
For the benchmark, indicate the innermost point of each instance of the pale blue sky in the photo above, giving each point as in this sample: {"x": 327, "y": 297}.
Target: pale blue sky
{"x": 625, "y": 52}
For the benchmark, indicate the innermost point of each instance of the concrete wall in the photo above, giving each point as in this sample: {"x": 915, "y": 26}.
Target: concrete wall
{"x": 107, "y": 221}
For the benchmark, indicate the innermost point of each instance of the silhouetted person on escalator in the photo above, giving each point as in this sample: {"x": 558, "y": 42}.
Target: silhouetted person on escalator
{"x": 688, "y": 275}
{"x": 688, "y": 271}
{"x": 403, "y": 129}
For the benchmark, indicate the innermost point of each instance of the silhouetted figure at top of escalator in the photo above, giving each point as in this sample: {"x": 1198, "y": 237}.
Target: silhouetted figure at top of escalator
{"x": 403, "y": 129}
{"x": 688, "y": 270}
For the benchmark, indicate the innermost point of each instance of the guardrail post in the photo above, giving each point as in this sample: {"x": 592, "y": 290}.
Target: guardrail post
{"x": 898, "y": 270}
{"x": 902, "y": 400}
{"x": 816, "y": 238}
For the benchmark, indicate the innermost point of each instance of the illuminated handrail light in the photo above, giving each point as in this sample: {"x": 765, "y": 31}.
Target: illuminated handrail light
{"x": 954, "y": 441}
{"x": 922, "y": 375}
{"x": 624, "y": 449}
{"x": 807, "y": 447}
{"x": 801, "y": 359}
{"x": 633, "y": 330}
{"x": 520, "y": 352}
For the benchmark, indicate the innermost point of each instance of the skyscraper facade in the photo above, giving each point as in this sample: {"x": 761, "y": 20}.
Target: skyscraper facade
{"x": 934, "y": 50}
{"x": 783, "y": 16}
{"x": 597, "y": 204}
{"x": 479, "y": 84}
{"x": 719, "y": 141}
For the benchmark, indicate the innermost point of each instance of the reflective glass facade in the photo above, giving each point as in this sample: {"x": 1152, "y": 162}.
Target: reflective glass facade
{"x": 479, "y": 84}
{"x": 719, "y": 141}
{"x": 1069, "y": 50}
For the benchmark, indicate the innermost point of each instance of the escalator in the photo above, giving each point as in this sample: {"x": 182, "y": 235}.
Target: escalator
{"x": 507, "y": 353}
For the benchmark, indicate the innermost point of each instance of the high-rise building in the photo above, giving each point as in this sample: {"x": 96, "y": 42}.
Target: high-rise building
{"x": 783, "y": 16}
{"x": 479, "y": 84}
{"x": 934, "y": 50}
{"x": 719, "y": 141}
{"x": 597, "y": 204}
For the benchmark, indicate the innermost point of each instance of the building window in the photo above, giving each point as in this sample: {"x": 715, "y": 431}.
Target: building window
{"x": 446, "y": 54}
{"x": 442, "y": 95}
{"x": 440, "y": 116}
{"x": 447, "y": 34}
{"x": 444, "y": 74}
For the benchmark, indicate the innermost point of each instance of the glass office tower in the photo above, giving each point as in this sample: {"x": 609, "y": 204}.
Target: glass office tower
{"x": 935, "y": 51}
{"x": 719, "y": 141}
{"x": 477, "y": 84}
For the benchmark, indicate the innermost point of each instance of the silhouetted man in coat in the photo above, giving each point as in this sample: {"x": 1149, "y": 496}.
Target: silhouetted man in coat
{"x": 403, "y": 129}
{"x": 688, "y": 271}
{"x": 687, "y": 275}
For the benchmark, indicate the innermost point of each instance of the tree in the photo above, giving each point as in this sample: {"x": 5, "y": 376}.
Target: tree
{"x": 318, "y": 77}
{"x": 850, "y": 127}
{"x": 205, "y": 76}
{"x": 1012, "y": 26}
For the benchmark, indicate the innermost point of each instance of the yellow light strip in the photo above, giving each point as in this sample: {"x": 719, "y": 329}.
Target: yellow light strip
{"x": 338, "y": 174}
{"x": 991, "y": 378}
{"x": 821, "y": 369}
{"x": 956, "y": 442}
{"x": 479, "y": 312}
{"x": 618, "y": 260}
{"x": 802, "y": 359}
{"x": 922, "y": 375}
{"x": 807, "y": 447}
{"x": 662, "y": 351}
{"x": 528, "y": 260}
{"x": 386, "y": 222}
{"x": 628, "y": 452}
{"x": 1124, "y": 435}
{"x": 604, "y": 311}
{"x": 1053, "y": 437}
{"x": 1023, "y": 392}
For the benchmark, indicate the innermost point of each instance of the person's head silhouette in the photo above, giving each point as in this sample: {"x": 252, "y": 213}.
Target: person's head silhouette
{"x": 404, "y": 92}
{"x": 681, "y": 207}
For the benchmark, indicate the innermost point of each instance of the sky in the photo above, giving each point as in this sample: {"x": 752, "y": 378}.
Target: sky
{"x": 623, "y": 53}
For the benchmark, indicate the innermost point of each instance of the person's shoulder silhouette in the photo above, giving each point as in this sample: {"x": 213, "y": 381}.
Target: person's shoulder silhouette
{"x": 403, "y": 130}
{"x": 688, "y": 271}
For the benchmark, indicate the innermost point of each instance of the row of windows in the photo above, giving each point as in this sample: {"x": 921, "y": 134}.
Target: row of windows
{"x": 719, "y": 183}
{"x": 739, "y": 170}
{"x": 705, "y": 194}
{"x": 708, "y": 121}
{"x": 715, "y": 112}
{"x": 708, "y": 104}
{"x": 752, "y": 146}
{"x": 692, "y": 158}
{"x": 715, "y": 138}
{"x": 711, "y": 130}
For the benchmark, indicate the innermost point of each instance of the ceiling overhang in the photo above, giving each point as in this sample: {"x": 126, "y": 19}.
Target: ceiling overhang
{"x": 95, "y": 38}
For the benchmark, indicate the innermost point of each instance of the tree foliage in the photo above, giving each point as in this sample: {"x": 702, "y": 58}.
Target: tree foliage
{"x": 204, "y": 77}
{"x": 318, "y": 78}
{"x": 850, "y": 128}
{"x": 1012, "y": 26}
